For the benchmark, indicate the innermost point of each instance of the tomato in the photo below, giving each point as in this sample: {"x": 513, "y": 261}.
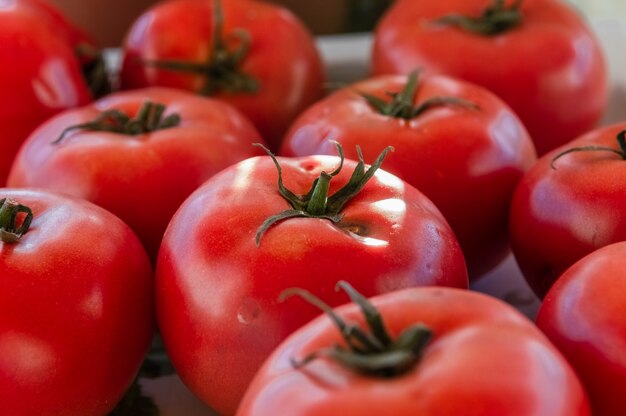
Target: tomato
{"x": 141, "y": 176}
{"x": 41, "y": 75}
{"x": 255, "y": 55}
{"x": 583, "y": 316}
{"x": 456, "y": 142}
{"x": 437, "y": 351}
{"x": 539, "y": 56}
{"x": 568, "y": 205}
{"x": 76, "y": 306}
{"x": 236, "y": 243}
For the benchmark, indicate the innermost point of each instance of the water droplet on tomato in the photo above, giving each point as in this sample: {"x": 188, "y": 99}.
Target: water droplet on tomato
{"x": 248, "y": 311}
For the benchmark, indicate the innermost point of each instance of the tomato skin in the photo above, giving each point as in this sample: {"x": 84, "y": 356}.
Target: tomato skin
{"x": 485, "y": 358}
{"x": 76, "y": 318}
{"x": 582, "y": 314}
{"x": 282, "y": 57}
{"x": 560, "y": 214}
{"x": 44, "y": 76}
{"x": 217, "y": 292}
{"x": 144, "y": 178}
{"x": 466, "y": 160}
{"x": 550, "y": 69}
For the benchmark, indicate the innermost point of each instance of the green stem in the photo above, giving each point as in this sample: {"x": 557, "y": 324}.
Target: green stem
{"x": 621, "y": 151}
{"x": 94, "y": 70}
{"x": 316, "y": 203}
{"x": 495, "y": 19}
{"x": 222, "y": 70}
{"x": 373, "y": 351}
{"x": 12, "y": 224}
{"x": 149, "y": 118}
{"x": 401, "y": 104}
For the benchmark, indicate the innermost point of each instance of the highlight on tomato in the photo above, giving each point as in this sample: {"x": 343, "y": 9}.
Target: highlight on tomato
{"x": 540, "y": 56}
{"x": 456, "y": 142}
{"x": 137, "y": 153}
{"x": 416, "y": 351}
{"x": 268, "y": 223}
{"x": 76, "y": 305}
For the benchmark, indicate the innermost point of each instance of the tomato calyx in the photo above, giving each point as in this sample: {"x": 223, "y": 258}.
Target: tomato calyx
{"x": 495, "y": 19}
{"x": 374, "y": 352}
{"x": 621, "y": 152}
{"x": 223, "y": 68}
{"x": 94, "y": 69}
{"x": 149, "y": 118}
{"x": 135, "y": 403}
{"x": 401, "y": 103}
{"x": 12, "y": 224}
{"x": 316, "y": 203}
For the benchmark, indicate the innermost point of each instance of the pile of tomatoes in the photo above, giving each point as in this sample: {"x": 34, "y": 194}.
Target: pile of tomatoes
{"x": 195, "y": 192}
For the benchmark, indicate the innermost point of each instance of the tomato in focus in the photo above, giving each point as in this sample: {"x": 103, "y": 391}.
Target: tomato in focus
{"x": 220, "y": 271}
{"x": 76, "y": 306}
{"x": 445, "y": 352}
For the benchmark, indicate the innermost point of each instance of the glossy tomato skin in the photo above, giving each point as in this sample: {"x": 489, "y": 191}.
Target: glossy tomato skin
{"x": 76, "y": 309}
{"x": 466, "y": 160}
{"x": 582, "y": 314}
{"x": 549, "y": 69}
{"x": 217, "y": 292}
{"x": 485, "y": 358}
{"x": 560, "y": 214}
{"x": 43, "y": 77}
{"x": 282, "y": 56}
{"x": 140, "y": 178}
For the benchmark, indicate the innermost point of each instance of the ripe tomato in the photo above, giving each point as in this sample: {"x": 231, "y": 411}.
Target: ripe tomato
{"x": 456, "y": 142}
{"x": 255, "y": 55}
{"x": 41, "y": 75}
{"x": 583, "y": 315}
{"x": 141, "y": 175}
{"x": 437, "y": 351}
{"x": 539, "y": 56}
{"x": 76, "y": 306}
{"x": 222, "y": 265}
{"x": 568, "y": 205}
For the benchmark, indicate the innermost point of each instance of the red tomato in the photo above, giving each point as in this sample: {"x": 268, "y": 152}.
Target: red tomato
{"x": 465, "y": 154}
{"x": 569, "y": 205}
{"x": 217, "y": 289}
{"x": 76, "y": 307}
{"x": 540, "y": 57}
{"x": 439, "y": 351}
{"x": 39, "y": 78}
{"x": 259, "y": 57}
{"x": 140, "y": 176}
{"x": 583, "y": 315}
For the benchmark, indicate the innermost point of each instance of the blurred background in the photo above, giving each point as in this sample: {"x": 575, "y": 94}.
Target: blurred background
{"x": 108, "y": 20}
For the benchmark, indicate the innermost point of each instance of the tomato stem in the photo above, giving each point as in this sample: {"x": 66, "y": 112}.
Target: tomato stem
{"x": 316, "y": 203}
{"x": 495, "y": 19}
{"x": 372, "y": 352}
{"x": 149, "y": 118}
{"x": 12, "y": 224}
{"x": 401, "y": 103}
{"x": 94, "y": 69}
{"x": 223, "y": 67}
{"x": 621, "y": 152}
